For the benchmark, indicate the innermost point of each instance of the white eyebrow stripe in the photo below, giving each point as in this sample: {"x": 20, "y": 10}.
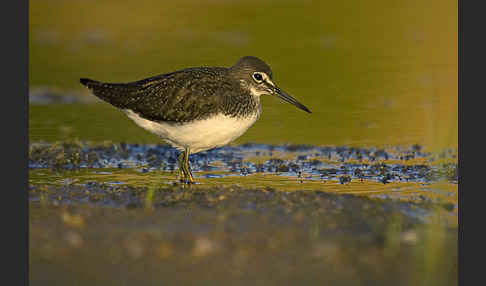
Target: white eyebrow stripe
{"x": 267, "y": 79}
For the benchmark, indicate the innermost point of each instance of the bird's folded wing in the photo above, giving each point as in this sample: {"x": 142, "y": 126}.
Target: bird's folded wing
{"x": 176, "y": 97}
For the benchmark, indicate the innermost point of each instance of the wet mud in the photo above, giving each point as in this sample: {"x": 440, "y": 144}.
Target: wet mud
{"x": 343, "y": 164}
{"x": 116, "y": 214}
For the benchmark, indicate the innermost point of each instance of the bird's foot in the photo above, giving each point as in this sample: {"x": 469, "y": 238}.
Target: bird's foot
{"x": 182, "y": 177}
{"x": 190, "y": 178}
{"x": 185, "y": 169}
{"x": 186, "y": 179}
{"x": 187, "y": 182}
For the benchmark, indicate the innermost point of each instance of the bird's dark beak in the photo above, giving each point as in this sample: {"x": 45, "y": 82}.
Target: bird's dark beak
{"x": 287, "y": 97}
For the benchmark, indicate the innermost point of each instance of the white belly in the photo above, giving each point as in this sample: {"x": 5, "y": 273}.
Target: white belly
{"x": 198, "y": 135}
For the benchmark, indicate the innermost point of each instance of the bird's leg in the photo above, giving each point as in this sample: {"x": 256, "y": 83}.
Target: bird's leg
{"x": 181, "y": 167}
{"x": 187, "y": 167}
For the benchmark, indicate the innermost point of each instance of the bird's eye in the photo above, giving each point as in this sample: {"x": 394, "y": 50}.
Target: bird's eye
{"x": 258, "y": 76}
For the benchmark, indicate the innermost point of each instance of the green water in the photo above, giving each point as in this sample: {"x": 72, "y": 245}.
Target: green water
{"x": 382, "y": 73}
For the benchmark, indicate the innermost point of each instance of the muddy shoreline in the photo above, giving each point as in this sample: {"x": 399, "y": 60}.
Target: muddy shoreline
{"x": 259, "y": 215}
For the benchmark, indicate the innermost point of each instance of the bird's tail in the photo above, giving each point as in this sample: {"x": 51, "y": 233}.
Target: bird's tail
{"x": 114, "y": 93}
{"x": 93, "y": 85}
{"x": 89, "y": 83}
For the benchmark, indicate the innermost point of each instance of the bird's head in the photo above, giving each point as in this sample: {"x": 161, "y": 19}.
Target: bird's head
{"x": 256, "y": 76}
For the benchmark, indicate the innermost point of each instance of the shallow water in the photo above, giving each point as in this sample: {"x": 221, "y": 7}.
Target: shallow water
{"x": 374, "y": 74}
{"x": 400, "y": 174}
{"x": 277, "y": 214}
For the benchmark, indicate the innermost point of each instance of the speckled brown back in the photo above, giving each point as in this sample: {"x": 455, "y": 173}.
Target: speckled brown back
{"x": 181, "y": 96}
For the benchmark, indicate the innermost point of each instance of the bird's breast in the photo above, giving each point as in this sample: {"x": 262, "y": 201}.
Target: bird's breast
{"x": 199, "y": 135}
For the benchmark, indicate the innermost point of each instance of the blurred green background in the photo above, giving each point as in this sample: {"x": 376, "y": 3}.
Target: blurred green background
{"x": 374, "y": 73}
